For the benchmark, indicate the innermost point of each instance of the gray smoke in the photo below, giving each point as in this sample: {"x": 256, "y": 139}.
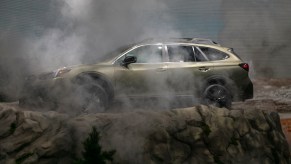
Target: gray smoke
{"x": 89, "y": 29}
{"x": 67, "y": 32}
{"x": 70, "y": 32}
{"x": 260, "y": 32}
{"x": 12, "y": 66}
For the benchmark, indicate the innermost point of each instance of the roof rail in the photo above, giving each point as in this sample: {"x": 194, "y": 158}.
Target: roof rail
{"x": 191, "y": 40}
{"x": 203, "y": 41}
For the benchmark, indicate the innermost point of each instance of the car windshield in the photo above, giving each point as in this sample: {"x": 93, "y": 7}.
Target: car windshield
{"x": 113, "y": 54}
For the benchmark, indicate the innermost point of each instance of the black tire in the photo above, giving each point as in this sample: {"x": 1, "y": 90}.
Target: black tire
{"x": 217, "y": 95}
{"x": 90, "y": 98}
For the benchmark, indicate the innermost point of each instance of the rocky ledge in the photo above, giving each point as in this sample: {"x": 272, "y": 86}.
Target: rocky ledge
{"x": 199, "y": 134}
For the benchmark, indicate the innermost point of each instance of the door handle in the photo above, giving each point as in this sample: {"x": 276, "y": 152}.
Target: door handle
{"x": 204, "y": 69}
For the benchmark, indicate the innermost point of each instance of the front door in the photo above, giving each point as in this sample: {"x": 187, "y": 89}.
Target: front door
{"x": 146, "y": 77}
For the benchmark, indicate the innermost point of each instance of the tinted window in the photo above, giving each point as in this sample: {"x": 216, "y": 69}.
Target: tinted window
{"x": 213, "y": 54}
{"x": 181, "y": 53}
{"x": 198, "y": 55}
{"x": 147, "y": 54}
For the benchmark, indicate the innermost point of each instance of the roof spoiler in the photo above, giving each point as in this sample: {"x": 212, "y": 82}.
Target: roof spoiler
{"x": 230, "y": 50}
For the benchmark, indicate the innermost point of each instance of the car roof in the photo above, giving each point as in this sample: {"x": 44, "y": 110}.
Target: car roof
{"x": 180, "y": 40}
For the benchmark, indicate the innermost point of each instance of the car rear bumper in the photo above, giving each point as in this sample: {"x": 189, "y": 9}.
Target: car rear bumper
{"x": 248, "y": 91}
{"x": 244, "y": 92}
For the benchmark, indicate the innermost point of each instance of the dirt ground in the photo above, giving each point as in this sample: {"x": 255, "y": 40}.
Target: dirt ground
{"x": 269, "y": 94}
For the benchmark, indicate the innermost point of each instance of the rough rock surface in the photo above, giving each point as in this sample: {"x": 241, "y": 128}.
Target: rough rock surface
{"x": 199, "y": 134}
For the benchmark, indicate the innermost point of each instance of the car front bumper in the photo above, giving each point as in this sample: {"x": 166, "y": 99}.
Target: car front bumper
{"x": 45, "y": 90}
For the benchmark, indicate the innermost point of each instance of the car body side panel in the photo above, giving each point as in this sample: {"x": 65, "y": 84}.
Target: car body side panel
{"x": 140, "y": 80}
{"x": 185, "y": 78}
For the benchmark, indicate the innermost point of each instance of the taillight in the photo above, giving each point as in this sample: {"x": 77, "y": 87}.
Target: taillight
{"x": 245, "y": 66}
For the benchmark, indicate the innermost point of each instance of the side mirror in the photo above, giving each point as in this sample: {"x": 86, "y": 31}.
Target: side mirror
{"x": 128, "y": 60}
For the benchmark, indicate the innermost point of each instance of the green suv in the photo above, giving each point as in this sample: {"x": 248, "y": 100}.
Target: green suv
{"x": 200, "y": 68}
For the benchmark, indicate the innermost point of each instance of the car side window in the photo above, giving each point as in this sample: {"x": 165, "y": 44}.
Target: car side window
{"x": 148, "y": 54}
{"x": 199, "y": 56}
{"x": 213, "y": 54}
{"x": 181, "y": 53}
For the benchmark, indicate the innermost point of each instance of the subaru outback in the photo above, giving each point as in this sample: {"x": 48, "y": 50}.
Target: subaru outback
{"x": 208, "y": 72}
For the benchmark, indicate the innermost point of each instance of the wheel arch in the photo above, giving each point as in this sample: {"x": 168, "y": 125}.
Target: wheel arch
{"x": 222, "y": 80}
{"x": 101, "y": 79}
{"x": 216, "y": 79}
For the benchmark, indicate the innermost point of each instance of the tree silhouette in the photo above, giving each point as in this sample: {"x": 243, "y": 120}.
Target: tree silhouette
{"x": 93, "y": 152}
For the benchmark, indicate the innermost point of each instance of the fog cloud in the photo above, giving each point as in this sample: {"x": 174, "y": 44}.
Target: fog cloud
{"x": 259, "y": 31}
{"x": 75, "y": 32}
{"x": 58, "y": 33}
{"x": 88, "y": 29}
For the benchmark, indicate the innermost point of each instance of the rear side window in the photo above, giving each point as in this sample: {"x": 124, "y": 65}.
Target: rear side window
{"x": 213, "y": 54}
{"x": 181, "y": 54}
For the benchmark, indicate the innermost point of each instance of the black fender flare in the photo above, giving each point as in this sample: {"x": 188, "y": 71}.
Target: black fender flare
{"x": 104, "y": 82}
{"x": 222, "y": 80}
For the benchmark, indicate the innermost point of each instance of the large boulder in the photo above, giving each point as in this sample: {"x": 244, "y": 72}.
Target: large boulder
{"x": 199, "y": 134}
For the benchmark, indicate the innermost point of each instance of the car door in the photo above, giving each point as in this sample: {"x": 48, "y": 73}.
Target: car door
{"x": 187, "y": 67}
{"x": 222, "y": 65}
{"x": 144, "y": 78}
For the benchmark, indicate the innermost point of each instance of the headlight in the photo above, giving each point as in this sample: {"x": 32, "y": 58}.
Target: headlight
{"x": 60, "y": 72}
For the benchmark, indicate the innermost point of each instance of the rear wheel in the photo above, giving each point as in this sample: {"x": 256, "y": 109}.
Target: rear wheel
{"x": 217, "y": 95}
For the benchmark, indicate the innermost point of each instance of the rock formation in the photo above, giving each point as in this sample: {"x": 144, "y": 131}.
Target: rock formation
{"x": 199, "y": 134}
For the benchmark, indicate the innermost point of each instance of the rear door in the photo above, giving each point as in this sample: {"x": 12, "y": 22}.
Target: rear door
{"x": 224, "y": 64}
{"x": 187, "y": 67}
{"x": 146, "y": 77}
{"x": 227, "y": 67}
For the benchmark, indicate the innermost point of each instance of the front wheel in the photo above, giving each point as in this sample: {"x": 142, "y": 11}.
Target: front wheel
{"x": 217, "y": 95}
{"x": 90, "y": 98}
